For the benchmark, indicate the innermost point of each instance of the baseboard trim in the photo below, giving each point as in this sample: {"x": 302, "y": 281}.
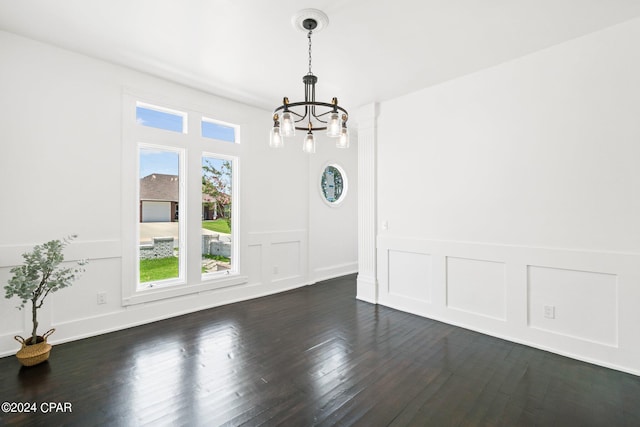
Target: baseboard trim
{"x": 367, "y": 289}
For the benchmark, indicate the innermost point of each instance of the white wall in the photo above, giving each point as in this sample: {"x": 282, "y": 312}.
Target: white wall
{"x": 61, "y": 173}
{"x": 332, "y": 226}
{"x": 517, "y": 188}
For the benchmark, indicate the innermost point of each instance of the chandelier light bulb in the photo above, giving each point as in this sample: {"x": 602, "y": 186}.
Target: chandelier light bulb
{"x": 343, "y": 141}
{"x": 334, "y": 125}
{"x": 309, "y": 144}
{"x": 288, "y": 124}
{"x": 275, "y": 138}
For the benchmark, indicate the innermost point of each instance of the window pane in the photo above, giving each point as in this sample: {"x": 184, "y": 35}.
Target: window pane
{"x": 159, "y": 221}
{"x": 161, "y": 119}
{"x": 217, "y": 239}
{"x": 214, "y": 130}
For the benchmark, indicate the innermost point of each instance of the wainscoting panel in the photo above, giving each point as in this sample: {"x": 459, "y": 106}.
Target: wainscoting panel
{"x": 581, "y": 304}
{"x": 477, "y": 286}
{"x": 12, "y": 324}
{"x": 255, "y": 263}
{"x": 282, "y": 257}
{"x": 410, "y": 275}
{"x": 286, "y": 260}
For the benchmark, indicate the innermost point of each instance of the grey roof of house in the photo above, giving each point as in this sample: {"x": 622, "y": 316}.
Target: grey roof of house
{"x": 162, "y": 187}
{"x": 159, "y": 187}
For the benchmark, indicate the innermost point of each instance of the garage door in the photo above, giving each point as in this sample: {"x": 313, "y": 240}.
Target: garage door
{"x": 156, "y": 211}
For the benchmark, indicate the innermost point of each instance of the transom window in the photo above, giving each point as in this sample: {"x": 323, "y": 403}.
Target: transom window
{"x": 161, "y": 118}
{"x": 215, "y": 129}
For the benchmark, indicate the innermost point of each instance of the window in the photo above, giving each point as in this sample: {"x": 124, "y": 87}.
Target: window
{"x": 161, "y": 118}
{"x": 217, "y": 130}
{"x": 160, "y": 254}
{"x": 217, "y": 241}
{"x": 333, "y": 184}
{"x": 180, "y": 200}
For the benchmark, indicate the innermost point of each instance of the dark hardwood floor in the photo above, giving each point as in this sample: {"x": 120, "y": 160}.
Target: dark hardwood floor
{"x": 313, "y": 356}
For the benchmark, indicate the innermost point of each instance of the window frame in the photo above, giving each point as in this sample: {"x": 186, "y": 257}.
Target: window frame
{"x": 195, "y": 146}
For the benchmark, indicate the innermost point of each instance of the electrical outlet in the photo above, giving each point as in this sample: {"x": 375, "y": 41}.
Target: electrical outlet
{"x": 549, "y": 312}
{"x": 275, "y": 269}
{"x": 102, "y": 297}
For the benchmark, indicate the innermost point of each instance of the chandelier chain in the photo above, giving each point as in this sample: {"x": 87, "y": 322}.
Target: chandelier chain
{"x": 309, "y": 37}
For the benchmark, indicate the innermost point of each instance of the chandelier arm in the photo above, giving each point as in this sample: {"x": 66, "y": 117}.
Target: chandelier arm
{"x": 322, "y": 114}
{"x": 319, "y": 120}
{"x": 312, "y": 129}
{"x": 288, "y": 106}
{"x": 313, "y": 98}
{"x": 312, "y": 103}
{"x": 308, "y": 94}
{"x": 307, "y": 104}
{"x": 303, "y": 118}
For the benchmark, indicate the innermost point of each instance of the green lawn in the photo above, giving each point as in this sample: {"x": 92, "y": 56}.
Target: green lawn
{"x": 152, "y": 270}
{"x": 218, "y": 225}
{"x": 158, "y": 269}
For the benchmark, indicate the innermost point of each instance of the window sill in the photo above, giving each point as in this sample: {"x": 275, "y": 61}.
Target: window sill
{"x": 156, "y": 294}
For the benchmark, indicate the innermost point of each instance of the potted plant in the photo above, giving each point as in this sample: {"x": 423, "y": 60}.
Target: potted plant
{"x": 38, "y": 276}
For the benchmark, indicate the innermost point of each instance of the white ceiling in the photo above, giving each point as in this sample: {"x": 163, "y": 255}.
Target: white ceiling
{"x": 371, "y": 50}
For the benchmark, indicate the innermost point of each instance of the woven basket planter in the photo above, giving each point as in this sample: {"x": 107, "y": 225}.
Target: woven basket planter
{"x": 30, "y": 355}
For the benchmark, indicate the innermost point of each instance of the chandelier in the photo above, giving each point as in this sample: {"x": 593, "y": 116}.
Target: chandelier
{"x": 309, "y": 115}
